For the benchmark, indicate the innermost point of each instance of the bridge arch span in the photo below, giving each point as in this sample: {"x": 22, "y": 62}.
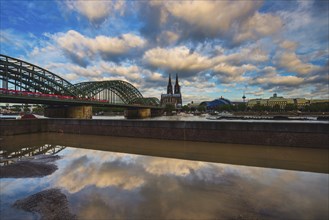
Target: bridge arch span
{"x": 29, "y": 77}
{"x": 124, "y": 90}
{"x": 20, "y": 75}
{"x": 150, "y": 101}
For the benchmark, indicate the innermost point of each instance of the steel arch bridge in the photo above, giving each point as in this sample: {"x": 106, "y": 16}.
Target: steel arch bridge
{"x": 24, "y": 76}
{"x": 105, "y": 90}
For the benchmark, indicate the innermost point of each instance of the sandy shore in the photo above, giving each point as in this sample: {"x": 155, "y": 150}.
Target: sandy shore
{"x": 36, "y": 167}
{"x": 51, "y": 204}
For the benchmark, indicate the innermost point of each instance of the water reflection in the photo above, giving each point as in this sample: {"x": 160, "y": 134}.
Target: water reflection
{"x": 292, "y": 158}
{"x": 120, "y": 186}
{"x": 110, "y": 185}
{"x": 9, "y": 156}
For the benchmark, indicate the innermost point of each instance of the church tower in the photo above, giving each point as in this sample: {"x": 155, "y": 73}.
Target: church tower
{"x": 169, "y": 87}
{"x": 177, "y": 86}
{"x": 174, "y": 99}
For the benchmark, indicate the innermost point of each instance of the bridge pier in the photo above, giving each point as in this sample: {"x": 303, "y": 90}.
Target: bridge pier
{"x": 79, "y": 112}
{"x": 137, "y": 113}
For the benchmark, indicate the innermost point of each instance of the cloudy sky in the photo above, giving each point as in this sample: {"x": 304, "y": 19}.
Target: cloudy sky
{"x": 217, "y": 48}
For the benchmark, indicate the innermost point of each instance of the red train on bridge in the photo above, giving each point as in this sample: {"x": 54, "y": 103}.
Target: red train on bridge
{"x": 52, "y": 96}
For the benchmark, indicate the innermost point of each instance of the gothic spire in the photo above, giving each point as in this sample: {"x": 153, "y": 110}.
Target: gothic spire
{"x": 169, "y": 87}
{"x": 177, "y": 86}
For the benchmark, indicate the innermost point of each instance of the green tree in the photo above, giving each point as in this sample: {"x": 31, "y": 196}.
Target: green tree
{"x": 241, "y": 107}
{"x": 276, "y": 108}
{"x": 290, "y": 107}
{"x": 267, "y": 108}
{"x": 201, "y": 108}
{"x": 169, "y": 108}
{"x": 16, "y": 108}
{"x": 38, "y": 109}
{"x": 26, "y": 108}
{"x": 319, "y": 107}
{"x": 185, "y": 108}
{"x": 257, "y": 108}
{"x": 224, "y": 108}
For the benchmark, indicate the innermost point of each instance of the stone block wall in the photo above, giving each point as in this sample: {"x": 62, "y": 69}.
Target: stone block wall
{"x": 294, "y": 134}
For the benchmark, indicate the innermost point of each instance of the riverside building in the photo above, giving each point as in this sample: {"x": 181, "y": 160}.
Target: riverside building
{"x": 276, "y": 100}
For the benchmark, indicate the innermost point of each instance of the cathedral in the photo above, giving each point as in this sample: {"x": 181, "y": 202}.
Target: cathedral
{"x": 172, "y": 98}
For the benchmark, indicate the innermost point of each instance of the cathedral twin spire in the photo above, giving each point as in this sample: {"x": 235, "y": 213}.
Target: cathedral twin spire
{"x": 173, "y": 97}
{"x": 169, "y": 87}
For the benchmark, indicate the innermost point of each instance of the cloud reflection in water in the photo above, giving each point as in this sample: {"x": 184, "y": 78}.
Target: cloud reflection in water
{"x": 105, "y": 185}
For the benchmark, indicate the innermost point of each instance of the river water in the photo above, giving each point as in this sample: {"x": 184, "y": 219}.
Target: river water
{"x": 102, "y": 184}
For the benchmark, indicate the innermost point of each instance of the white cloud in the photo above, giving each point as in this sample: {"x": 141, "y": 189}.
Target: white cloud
{"x": 258, "y": 26}
{"x": 223, "y": 14}
{"x": 291, "y": 62}
{"x": 88, "y": 173}
{"x": 163, "y": 166}
{"x": 71, "y": 76}
{"x": 178, "y": 59}
{"x": 80, "y": 48}
{"x": 289, "y": 45}
{"x": 281, "y": 80}
{"x": 94, "y": 10}
{"x": 258, "y": 92}
{"x": 268, "y": 78}
{"x": 251, "y": 54}
{"x": 167, "y": 37}
{"x": 131, "y": 73}
{"x": 234, "y": 21}
{"x": 232, "y": 74}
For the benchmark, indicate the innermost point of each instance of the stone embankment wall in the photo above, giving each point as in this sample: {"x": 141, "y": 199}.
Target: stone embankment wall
{"x": 298, "y": 134}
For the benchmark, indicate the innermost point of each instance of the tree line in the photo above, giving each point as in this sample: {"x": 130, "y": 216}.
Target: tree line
{"x": 241, "y": 107}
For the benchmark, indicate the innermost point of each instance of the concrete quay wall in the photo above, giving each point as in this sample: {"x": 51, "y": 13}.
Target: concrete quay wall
{"x": 295, "y": 134}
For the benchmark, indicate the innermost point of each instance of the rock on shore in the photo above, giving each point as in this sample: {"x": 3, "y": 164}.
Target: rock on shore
{"x": 50, "y": 204}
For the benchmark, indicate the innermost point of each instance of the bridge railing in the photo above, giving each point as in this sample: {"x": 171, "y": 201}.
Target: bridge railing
{"x": 43, "y": 95}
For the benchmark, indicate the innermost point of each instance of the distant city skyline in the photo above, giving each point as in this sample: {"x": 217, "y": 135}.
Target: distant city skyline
{"x": 217, "y": 48}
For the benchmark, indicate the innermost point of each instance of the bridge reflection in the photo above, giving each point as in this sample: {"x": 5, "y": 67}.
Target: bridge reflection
{"x": 8, "y": 156}
{"x": 289, "y": 158}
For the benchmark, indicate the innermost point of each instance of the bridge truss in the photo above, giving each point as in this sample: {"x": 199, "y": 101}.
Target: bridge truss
{"x": 7, "y": 157}
{"x": 18, "y": 75}
{"x": 25, "y": 76}
{"x": 109, "y": 90}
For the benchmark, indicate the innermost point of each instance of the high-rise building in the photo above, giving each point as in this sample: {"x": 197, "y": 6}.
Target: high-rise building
{"x": 172, "y": 98}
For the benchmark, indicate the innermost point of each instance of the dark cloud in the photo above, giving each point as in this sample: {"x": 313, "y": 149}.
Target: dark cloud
{"x": 150, "y": 17}
{"x": 224, "y": 20}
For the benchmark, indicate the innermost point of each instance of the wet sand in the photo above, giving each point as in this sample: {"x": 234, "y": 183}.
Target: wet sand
{"x": 39, "y": 167}
{"x": 50, "y": 204}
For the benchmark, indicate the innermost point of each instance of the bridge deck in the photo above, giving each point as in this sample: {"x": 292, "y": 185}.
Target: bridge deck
{"x": 5, "y": 98}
